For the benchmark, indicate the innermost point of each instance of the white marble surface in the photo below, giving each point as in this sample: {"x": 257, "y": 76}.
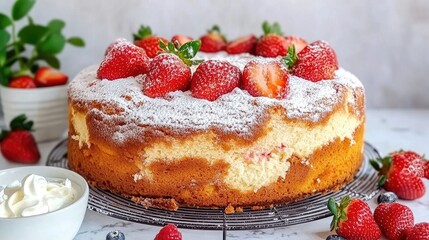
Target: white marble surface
{"x": 387, "y": 130}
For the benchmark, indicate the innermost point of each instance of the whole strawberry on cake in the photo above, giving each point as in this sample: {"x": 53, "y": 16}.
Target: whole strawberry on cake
{"x": 225, "y": 129}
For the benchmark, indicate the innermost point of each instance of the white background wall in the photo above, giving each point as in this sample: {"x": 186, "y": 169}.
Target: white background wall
{"x": 383, "y": 42}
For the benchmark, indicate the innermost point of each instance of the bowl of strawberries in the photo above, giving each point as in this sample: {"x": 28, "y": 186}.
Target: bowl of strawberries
{"x": 30, "y": 82}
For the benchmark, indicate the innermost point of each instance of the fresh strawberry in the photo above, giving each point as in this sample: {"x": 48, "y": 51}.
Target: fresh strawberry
{"x": 317, "y": 61}
{"x": 272, "y": 43}
{"x": 18, "y": 144}
{"x": 170, "y": 71}
{"x": 179, "y": 40}
{"x": 22, "y": 82}
{"x": 393, "y": 218}
{"x": 213, "y": 40}
{"x": 123, "y": 60}
{"x": 214, "y": 78}
{"x": 298, "y": 42}
{"x": 113, "y": 44}
{"x": 150, "y": 43}
{"x": 46, "y": 77}
{"x": 353, "y": 219}
{"x": 244, "y": 44}
{"x": 169, "y": 232}
{"x": 420, "y": 231}
{"x": 268, "y": 78}
{"x": 401, "y": 173}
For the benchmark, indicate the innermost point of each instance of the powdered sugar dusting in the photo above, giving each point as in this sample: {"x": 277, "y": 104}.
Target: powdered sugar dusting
{"x": 235, "y": 112}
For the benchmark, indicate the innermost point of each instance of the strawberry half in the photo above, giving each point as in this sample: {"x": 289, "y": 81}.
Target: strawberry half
{"x": 244, "y": 44}
{"x": 150, "y": 43}
{"x": 213, "y": 41}
{"x": 170, "y": 71}
{"x": 353, "y": 219}
{"x": 298, "y": 42}
{"x": 123, "y": 60}
{"x": 213, "y": 78}
{"x": 22, "y": 82}
{"x": 18, "y": 144}
{"x": 393, "y": 218}
{"x": 46, "y": 77}
{"x": 169, "y": 232}
{"x": 401, "y": 173}
{"x": 268, "y": 78}
{"x": 272, "y": 43}
{"x": 317, "y": 61}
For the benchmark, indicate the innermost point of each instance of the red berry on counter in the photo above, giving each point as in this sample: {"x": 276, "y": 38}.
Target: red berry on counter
{"x": 18, "y": 144}
{"x": 268, "y": 78}
{"x": 123, "y": 60}
{"x": 169, "y": 232}
{"x": 401, "y": 173}
{"x": 214, "y": 78}
{"x": 420, "y": 231}
{"x": 272, "y": 43}
{"x": 46, "y": 77}
{"x": 244, "y": 44}
{"x": 353, "y": 219}
{"x": 213, "y": 40}
{"x": 393, "y": 218}
{"x": 22, "y": 82}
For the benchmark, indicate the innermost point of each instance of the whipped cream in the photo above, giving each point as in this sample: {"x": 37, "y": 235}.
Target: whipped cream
{"x": 35, "y": 195}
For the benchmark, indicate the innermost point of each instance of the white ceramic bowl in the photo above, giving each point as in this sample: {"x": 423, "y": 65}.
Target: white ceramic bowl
{"x": 47, "y": 107}
{"x": 61, "y": 224}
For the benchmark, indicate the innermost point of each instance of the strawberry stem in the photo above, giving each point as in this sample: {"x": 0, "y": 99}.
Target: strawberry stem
{"x": 271, "y": 28}
{"x": 291, "y": 58}
{"x": 216, "y": 30}
{"x": 18, "y": 123}
{"x": 185, "y": 52}
{"x": 144, "y": 31}
{"x": 338, "y": 210}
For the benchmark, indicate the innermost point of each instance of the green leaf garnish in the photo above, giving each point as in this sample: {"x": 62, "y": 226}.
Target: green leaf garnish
{"x": 56, "y": 25}
{"x": 52, "y": 44}
{"x": 76, "y": 41}
{"x": 5, "y": 21}
{"x": 21, "y": 8}
{"x": 32, "y": 34}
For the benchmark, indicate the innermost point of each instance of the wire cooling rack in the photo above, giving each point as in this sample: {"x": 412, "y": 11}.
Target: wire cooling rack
{"x": 310, "y": 209}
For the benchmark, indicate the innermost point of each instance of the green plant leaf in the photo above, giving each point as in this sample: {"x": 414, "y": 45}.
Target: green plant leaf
{"x": 56, "y": 25}
{"x": 51, "y": 60}
{"x": 21, "y": 8}
{"x": 4, "y": 39}
{"x": 2, "y": 57}
{"x": 32, "y": 34}
{"x": 76, "y": 41}
{"x": 5, "y": 21}
{"x": 5, "y": 74}
{"x": 54, "y": 43}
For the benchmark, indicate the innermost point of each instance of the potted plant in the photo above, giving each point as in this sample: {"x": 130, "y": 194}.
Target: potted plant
{"x": 30, "y": 83}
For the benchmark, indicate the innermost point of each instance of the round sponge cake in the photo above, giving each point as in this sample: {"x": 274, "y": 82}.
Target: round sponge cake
{"x": 236, "y": 151}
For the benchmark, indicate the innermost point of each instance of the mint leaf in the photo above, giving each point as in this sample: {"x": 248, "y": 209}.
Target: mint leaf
{"x": 32, "y": 34}
{"x": 51, "y": 60}
{"x": 56, "y": 25}
{"x": 4, "y": 39}
{"x": 4, "y": 21}
{"x": 54, "y": 43}
{"x": 21, "y": 8}
{"x": 76, "y": 41}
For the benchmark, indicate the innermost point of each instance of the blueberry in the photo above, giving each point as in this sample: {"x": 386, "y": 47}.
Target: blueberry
{"x": 387, "y": 197}
{"x": 115, "y": 235}
{"x": 334, "y": 237}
